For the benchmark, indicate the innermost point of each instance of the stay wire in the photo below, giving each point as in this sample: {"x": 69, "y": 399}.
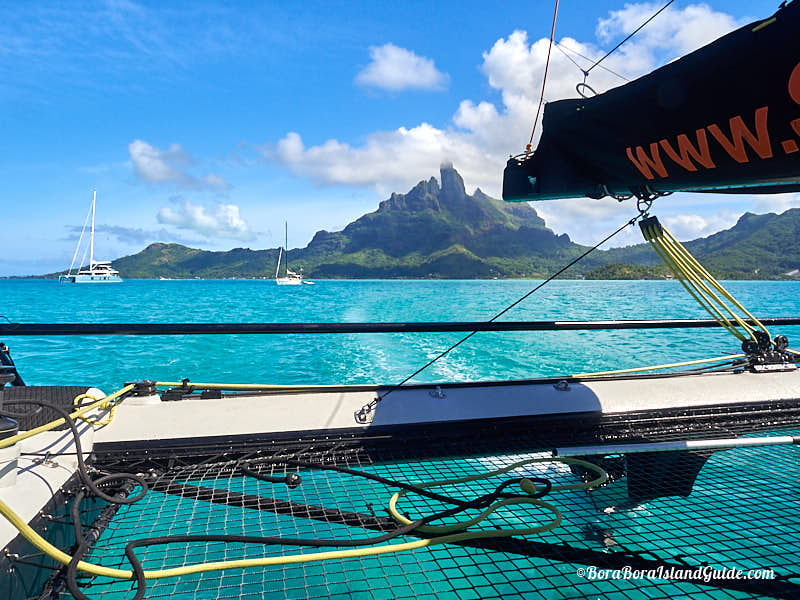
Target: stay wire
{"x": 506, "y": 309}
{"x": 633, "y": 33}
{"x": 564, "y": 49}
{"x": 544, "y": 79}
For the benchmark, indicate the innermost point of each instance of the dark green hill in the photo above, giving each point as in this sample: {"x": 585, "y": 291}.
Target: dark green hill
{"x": 757, "y": 247}
{"x": 175, "y": 260}
{"x": 432, "y": 231}
{"x": 438, "y": 230}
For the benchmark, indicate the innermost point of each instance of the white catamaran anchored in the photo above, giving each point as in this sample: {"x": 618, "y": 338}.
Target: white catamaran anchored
{"x": 99, "y": 271}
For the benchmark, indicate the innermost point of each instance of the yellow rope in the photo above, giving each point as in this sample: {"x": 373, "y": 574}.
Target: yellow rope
{"x": 527, "y": 486}
{"x": 102, "y": 404}
{"x": 710, "y": 301}
{"x": 707, "y": 305}
{"x": 702, "y": 286}
{"x": 5, "y": 443}
{"x": 685, "y": 363}
{"x": 698, "y": 290}
{"x": 703, "y": 272}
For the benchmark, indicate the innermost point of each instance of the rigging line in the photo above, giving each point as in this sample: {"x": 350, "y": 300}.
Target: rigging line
{"x": 633, "y": 33}
{"x": 80, "y": 240}
{"x": 572, "y": 60}
{"x": 562, "y": 47}
{"x": 544, "y": 79}
{"x": 505, "y": 310}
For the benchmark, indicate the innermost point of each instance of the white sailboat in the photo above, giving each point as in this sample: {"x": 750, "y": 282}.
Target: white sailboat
{"x": 98, "y": 271}
{"x": 289, "y": 277}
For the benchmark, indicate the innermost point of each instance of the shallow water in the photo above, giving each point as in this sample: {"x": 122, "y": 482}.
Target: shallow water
{"x": 109, "y": 361}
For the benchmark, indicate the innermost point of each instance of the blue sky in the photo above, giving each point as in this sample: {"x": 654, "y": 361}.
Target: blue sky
{"x": 210, "y": 124}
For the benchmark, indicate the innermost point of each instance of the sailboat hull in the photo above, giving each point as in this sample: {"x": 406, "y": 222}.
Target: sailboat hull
{"x": 288, "y": 281}
{"x": 98, "y": 271}
{"x": 90, "y": 279}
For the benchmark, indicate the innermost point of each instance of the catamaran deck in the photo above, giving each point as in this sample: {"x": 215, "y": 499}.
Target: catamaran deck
{"x": 699, "y": 511}
{"x": 148, "y": 419}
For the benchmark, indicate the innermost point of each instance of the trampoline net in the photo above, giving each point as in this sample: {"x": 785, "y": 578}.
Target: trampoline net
{"x": 742, "y": 512}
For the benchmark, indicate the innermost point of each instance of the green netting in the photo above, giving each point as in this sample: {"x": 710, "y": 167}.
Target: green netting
{"x": 743, "y": 512}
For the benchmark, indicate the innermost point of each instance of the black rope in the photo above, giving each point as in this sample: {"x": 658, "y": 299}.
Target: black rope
{"x": 368, "y": 408}
{"x": 478, "y": 503}
{"x": 90, "y": 486}
{"x": 635, "y": 31}
{"x": 82, "y": 470}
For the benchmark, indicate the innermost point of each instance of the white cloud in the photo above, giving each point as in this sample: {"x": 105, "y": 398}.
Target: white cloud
{"x": 777, "y": 203}
{"x": 691, "y": 226}
{"x": 169, "y": 166}
{"x": 588, "y": 221}
{"x": 152, "y": 164}
{"x": 394, "y": 69}
{"x": 482, "y": 134}
{"x": 222, "y": 221}
{"x": 388, "y": 160}
{"x": 683, "y": 30}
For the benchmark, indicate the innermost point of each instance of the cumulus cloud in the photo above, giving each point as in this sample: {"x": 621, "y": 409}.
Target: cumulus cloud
{"x": 221, "y": 221}
{"x": 395, "y": 69}
{"x": 691, "y": 226}
{"x": 132, "y": 235}
{"x": 155, "y": 165}
{"x": 482, "y": 134}
{"x": 682, "y": 31}
{"x": 585, "y": 220}
{"x": 387, "y": 161}
{"x": 777, "y": 203}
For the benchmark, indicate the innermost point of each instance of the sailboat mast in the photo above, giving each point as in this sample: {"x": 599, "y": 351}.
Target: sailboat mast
{"x": 91, "y": 242}
{"x": 286, "y": 245}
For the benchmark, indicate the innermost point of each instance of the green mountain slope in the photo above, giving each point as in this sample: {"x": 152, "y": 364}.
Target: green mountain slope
{"x": 438, "y": 230}
{"x": 757, "y": 247}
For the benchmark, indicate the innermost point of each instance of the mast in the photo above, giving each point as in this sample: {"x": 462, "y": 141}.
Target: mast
{"x": 286, "y": 245}
{"x": 91, "y": 242}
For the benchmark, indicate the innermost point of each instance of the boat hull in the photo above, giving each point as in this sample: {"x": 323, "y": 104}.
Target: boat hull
{"x": 90, "y": 279}
{"x": 330, "y": 410}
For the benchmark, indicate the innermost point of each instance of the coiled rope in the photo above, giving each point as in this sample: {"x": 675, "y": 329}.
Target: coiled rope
{"x": 451, "y": 533}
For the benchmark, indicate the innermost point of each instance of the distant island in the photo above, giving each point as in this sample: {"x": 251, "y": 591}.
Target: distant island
{"x": 626, "y": 271}
{"x": 437, "y": 230}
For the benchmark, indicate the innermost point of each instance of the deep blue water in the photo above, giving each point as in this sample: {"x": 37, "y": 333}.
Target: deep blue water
{"x": 109, "y": 361}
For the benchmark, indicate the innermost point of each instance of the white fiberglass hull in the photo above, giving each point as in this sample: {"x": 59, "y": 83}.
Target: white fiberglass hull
{"x": 90, "y": 279}
{"x": 288, "y": 281}
{"x": 329, "y": 410}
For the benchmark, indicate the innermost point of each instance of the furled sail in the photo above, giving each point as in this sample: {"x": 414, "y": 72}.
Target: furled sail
{"x": 725, "y": 118}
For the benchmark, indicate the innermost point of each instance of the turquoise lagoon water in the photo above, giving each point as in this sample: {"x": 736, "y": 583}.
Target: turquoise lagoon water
{"x": 746, "y": 498}
{"x": 109, "y": 361}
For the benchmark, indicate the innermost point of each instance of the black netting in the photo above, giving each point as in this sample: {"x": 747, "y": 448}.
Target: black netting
{"x": 729, "y": 509}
